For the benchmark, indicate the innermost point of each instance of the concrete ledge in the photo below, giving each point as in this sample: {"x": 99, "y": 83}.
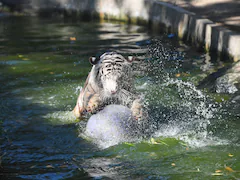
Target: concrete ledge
{"x": 159, "y": 16}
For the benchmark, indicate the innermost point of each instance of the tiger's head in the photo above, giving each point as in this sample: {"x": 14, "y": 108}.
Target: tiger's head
{"x": 112, "y": 72}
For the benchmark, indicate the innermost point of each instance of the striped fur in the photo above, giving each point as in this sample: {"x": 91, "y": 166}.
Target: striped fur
{"x": 110, "y": 81}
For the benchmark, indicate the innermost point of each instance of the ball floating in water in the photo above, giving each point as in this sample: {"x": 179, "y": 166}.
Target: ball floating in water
{"x": 114, "y": 123}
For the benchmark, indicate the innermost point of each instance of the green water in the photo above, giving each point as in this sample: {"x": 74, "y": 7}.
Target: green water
{"x": 194, "y": 134}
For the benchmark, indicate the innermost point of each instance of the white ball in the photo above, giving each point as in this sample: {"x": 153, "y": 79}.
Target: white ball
{"x": 112, "y": 125}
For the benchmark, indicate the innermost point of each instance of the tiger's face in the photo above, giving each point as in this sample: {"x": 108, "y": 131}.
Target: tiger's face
{"x": 112, "y": 72}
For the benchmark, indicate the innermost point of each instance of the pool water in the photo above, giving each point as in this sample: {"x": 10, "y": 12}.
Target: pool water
{"x": 194, "y": 134}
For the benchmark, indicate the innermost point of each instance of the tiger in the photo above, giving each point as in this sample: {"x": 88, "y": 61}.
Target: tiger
{"x": 110, "y": 81}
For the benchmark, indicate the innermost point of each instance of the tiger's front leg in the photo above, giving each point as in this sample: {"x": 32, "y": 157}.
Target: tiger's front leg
{"x": 137, "y": 109}
{"x": 87, "y": 102}
{"x": 94, "y": 103}
{"x": 80, "y": 108}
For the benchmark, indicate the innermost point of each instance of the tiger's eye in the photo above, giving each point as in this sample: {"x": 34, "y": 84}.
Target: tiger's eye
{"x": 108, "y": 65}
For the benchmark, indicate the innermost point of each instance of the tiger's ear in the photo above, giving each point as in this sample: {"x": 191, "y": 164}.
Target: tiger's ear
{"x": 93, "y": 60}
{"x": 131, "y": 58}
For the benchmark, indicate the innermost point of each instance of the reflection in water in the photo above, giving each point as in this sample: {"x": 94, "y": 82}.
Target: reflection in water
{"x": 42, "y": 71}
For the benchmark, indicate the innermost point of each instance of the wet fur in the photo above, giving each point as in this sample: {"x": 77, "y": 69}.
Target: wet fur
{"x": 95, "y": 95}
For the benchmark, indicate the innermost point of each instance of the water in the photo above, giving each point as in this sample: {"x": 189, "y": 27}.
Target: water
{"x": 194, "y": 134}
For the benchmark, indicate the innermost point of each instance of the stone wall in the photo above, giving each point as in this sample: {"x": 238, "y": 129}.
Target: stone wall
{"x": 159, "y": 16}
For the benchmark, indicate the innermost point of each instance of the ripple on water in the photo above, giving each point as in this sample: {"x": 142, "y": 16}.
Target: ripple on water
{"x": 14, "y": 62}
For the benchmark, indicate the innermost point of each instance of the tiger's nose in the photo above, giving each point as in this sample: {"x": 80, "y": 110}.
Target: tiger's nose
{"x": 113, "y": 92}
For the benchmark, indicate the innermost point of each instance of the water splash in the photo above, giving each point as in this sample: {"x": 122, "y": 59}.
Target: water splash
{"x": 176, "y": 107}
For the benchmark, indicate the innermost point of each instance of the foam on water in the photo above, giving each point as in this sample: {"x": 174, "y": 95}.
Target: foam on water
{"x": 190, "y": 137}
{"x": 61, "y": 117}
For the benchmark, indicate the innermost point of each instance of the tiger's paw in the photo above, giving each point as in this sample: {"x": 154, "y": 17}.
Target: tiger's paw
{"x": 137, "y": 109}
{"x": 93, "y": 104}
{"x": 76, "y": 111}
